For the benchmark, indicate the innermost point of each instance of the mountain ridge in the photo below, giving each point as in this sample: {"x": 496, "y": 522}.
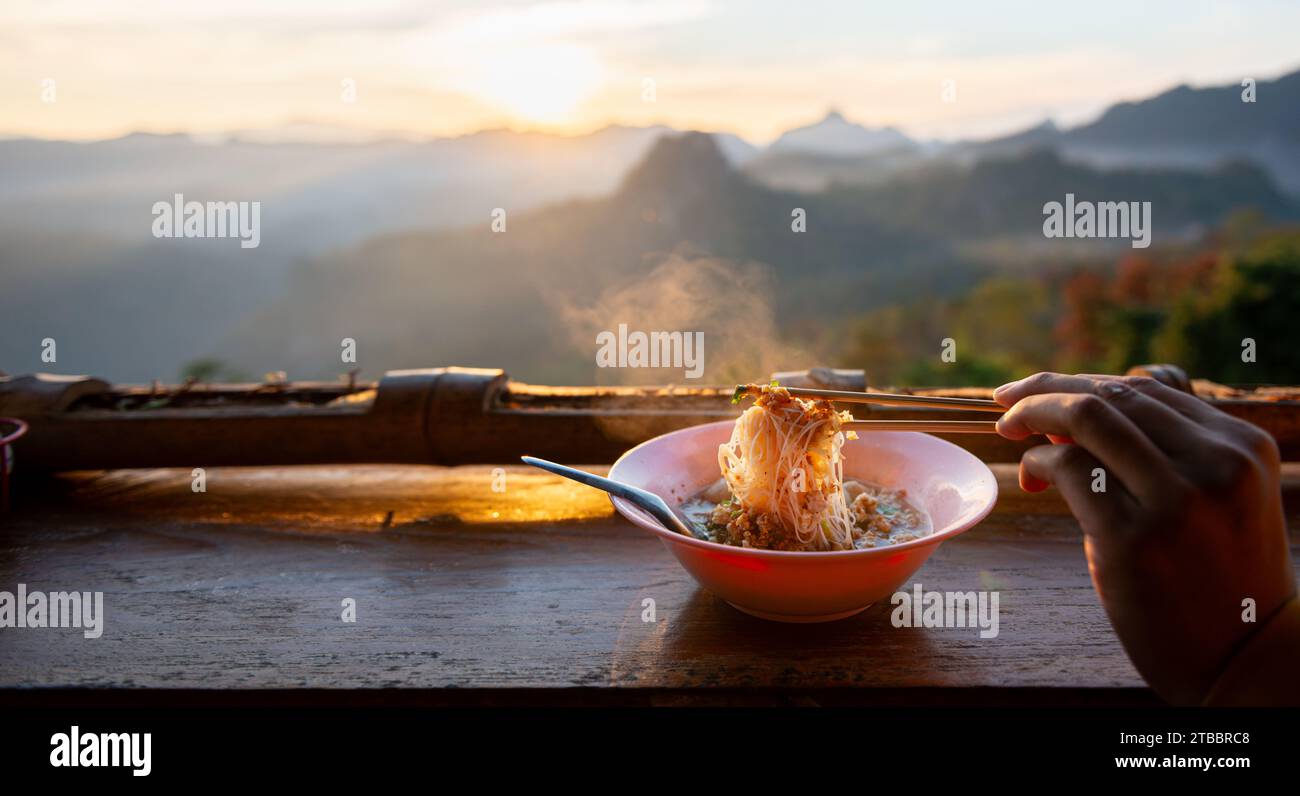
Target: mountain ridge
{"x": 836, "y": 135}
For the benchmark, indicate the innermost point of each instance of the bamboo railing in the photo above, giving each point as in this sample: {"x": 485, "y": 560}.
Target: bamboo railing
{"x": 443, "y": 416}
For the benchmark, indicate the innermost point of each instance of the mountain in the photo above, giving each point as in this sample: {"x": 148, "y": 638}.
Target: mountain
{"x": 835, "y": 135}
{"x": 735, "y": 149}
{"x": 388, "y": 241}
{"x": 80, "y": 263}
{"x": 1185, "y": 128}
{"x": 810, "y": 159}
{"x": 811, "y": 172}
{"x": 317, "y": 195}
{"x": 1003, "y": 197}
{"x": 689, "y": 242}
{"x": 685, "y": 242}
{"x": 1205, "y": 117}
{"x": 1044, "y": 135}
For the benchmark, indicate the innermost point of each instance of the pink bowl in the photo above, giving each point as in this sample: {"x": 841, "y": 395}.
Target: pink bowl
{"x": 956, "y": 489}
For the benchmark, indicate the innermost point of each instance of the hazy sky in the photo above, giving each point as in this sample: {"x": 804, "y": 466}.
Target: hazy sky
{"x": 754, "y": 68}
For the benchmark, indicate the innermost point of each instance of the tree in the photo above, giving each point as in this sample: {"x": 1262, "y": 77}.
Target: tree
{"x": 1256, "y": 297}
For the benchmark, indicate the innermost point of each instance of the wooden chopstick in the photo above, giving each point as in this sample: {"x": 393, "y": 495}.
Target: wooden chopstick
{"x": 892, "y": 399}
{"x": 930, "y": 426}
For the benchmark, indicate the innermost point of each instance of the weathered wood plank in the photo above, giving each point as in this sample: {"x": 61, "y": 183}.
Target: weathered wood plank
{"x": 459, "y": 586}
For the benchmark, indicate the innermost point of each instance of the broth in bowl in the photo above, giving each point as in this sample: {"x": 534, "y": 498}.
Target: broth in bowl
{"x": 882, "y": 517}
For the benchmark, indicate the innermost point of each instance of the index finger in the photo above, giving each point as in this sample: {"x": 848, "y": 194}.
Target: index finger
{"x": 1099, "y": 428}
{"x": 1172, "y": 431}
{"x": 1189, "y": 404}
{"x": 1008, "y": 394}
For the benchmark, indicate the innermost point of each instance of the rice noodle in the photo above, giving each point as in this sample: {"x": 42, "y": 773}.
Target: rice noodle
{"x": 784, "y": 466}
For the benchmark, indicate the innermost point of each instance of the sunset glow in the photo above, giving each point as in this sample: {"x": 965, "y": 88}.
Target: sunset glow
{"x": 423, "y": 70}
{"x": 542, "y": 84}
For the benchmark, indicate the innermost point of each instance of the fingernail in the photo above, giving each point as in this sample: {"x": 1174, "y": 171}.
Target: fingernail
{"x": 1032, "y": 484}
{"x": 1006, "y": 386}
{"x": 1000, "y": 425}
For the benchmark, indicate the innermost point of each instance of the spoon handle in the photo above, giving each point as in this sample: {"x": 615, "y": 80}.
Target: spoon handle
{"x": 649, "y": 501}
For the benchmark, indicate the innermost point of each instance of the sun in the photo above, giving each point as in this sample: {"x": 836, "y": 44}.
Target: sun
{"x": 536, "y": 83}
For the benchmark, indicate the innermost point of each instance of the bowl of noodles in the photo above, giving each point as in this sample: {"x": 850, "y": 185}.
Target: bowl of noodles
{"x": 793, "y": 517}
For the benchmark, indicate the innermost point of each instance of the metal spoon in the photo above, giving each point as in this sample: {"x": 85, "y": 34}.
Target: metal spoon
{"x": 652, "y": 503}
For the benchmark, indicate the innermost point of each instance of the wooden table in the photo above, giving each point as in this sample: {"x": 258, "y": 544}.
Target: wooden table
{"x": 534, "y": 594}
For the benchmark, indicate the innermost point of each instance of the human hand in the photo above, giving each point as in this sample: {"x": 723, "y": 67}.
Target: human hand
{"x": 1187, "y": 525}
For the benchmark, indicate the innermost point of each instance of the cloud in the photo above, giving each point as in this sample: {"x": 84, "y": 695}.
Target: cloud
{"x": 544, "y": 21}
